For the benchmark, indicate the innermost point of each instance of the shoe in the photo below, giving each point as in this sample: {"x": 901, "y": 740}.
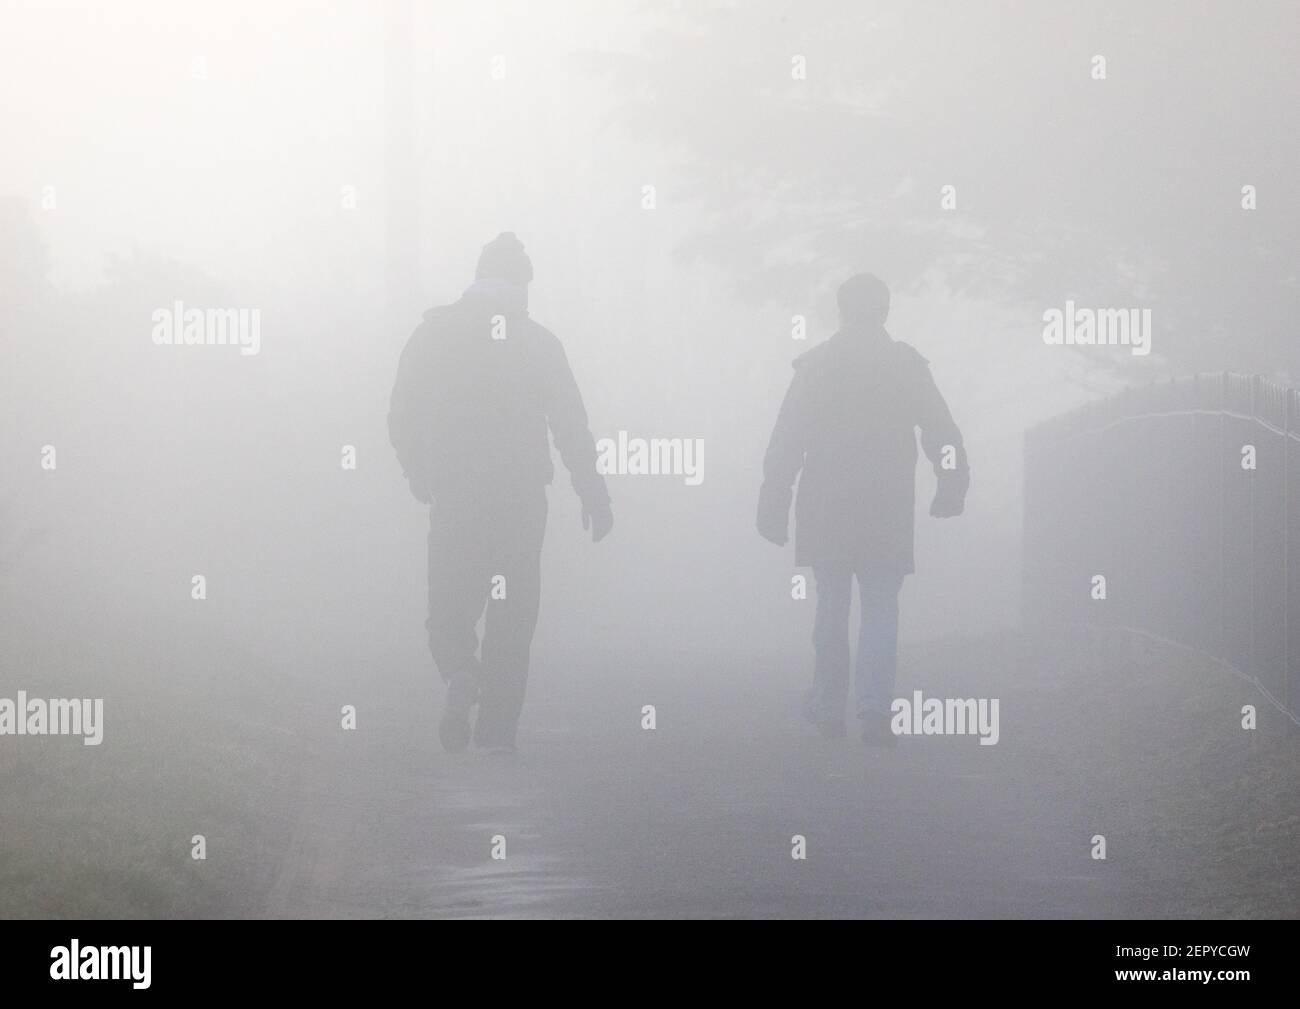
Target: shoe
{"x": 453, "y": 728}
{"x": 876, "y": 730}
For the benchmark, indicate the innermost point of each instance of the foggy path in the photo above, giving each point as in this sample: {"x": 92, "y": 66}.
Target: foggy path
{"x": 696, "y": 817}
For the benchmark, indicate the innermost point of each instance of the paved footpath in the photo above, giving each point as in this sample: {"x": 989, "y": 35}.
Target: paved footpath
{"x": 695, "y": 818}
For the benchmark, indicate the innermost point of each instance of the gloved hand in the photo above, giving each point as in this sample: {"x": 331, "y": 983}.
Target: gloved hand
{"x": 419, "y": 489}
{"x": 774, "y": 517}
{"x": 949, "y": 501}
{"x": 598, "y": 517}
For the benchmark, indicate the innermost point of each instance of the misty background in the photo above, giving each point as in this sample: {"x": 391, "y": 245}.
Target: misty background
{"x": 339, "y": 167}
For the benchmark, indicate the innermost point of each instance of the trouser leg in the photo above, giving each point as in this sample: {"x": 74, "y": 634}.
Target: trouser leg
{"x": 458, "y": 588}
{"x": 511, "y": 615}
{"x": 831, "y": 642}
{"x": 507, "y": 642}
{"x": 877, "y": 662}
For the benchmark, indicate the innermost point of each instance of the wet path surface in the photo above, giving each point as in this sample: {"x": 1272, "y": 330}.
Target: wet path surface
{"x": 696, "y": 817}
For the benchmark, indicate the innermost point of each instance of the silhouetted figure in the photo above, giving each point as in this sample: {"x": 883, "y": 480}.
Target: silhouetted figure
{"x": 848, "y": 423}
{"x": 477, "y": 387}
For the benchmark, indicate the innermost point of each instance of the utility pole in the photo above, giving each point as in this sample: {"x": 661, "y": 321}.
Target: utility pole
{"x": 401, "y": 181}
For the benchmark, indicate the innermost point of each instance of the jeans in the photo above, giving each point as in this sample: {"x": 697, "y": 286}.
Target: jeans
{"x": 877, "y": 661}
{"x": 486, "y": 554}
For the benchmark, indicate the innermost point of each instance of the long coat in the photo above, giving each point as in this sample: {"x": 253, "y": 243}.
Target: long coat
{"x": 847, "y": 430}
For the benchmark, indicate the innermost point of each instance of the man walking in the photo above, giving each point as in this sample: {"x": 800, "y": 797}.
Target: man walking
{"x": 477, "y": 388}
{"x": 848, "y": 423}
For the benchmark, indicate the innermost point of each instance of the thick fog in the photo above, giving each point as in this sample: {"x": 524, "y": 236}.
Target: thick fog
{"x": 692, "y": 184}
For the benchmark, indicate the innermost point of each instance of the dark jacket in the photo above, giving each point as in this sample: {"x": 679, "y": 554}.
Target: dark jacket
{"x": 849, "y": 423}
{"x": 469, "y": 414}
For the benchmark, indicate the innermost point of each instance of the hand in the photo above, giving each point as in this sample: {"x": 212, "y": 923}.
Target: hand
{"x": 773, "y": 531}
{"x": 774, "y": 518}
{"x": 946, "y": 505}
{"x": 420, "y": 489}
{"x": 599, "y": 518}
